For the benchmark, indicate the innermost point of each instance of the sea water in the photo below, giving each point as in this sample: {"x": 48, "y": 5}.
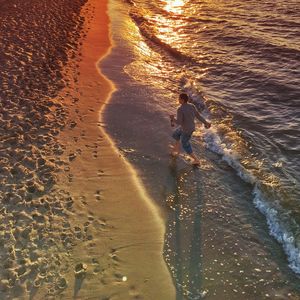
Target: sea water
{"x": 233, "y": 224}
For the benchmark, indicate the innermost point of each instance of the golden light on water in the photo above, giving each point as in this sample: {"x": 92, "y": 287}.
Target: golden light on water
{"x": 174, "y": 6}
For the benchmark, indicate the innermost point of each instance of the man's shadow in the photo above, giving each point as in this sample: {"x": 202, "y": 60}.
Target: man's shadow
{"x": 79, "y": 278}
{"x": 182, "y": 248}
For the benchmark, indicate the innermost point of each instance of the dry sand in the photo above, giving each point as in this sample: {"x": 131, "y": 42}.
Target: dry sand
{"x": 75, "y": 220}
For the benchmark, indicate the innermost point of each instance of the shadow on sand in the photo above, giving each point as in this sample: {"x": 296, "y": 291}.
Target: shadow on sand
{"x": 78, "y": 283}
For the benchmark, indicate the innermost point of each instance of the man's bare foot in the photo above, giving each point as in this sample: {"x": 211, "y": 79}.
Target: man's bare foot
{"x": 196, "y": 162}
{"x": 173, "y": 151}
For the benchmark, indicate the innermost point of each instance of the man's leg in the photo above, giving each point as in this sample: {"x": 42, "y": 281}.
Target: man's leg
{"x": 186, "y": 145}
{"x": 176, "y": 146}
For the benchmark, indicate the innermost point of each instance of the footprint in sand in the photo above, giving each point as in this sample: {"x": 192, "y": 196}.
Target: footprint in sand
{"x": 134, "y": 293}
{"x": 67, "y": 169}
{"x": 98, "y": 195}
{"x": 72, "y": 156}
{"x": 97, "y": 270}
{"x": 97, "y": 267}
{"x": 95, "y": 154}
{"x": 78, "y": 232}
{"x": 83, "y": 200}
{"x": 86, "y": 225}
{"x": 70, "y": 177}
{"x": 95, "y": 261}
{"x": 91, "y": 218}
{"x": 100, "y": 224}
{"x": 113, "y": 255}
{"x": 73, "y": 124}
{"x": 61, "y": 283}
{"x": 100, "y": 173}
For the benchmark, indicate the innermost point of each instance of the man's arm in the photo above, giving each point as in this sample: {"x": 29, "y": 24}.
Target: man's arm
{"x": 179, "y": 119}
{"x": 198, "y": 104}
{"x": 201, "y": 119}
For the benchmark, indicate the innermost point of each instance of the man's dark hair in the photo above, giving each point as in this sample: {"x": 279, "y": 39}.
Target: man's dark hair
{"x": 184, "y": 97}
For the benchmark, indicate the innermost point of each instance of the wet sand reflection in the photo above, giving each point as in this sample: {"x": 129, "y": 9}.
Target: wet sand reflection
{"x": 183, "y": 236}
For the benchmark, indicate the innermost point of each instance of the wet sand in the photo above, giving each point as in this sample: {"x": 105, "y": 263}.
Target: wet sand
{"x": 75, "y": 220}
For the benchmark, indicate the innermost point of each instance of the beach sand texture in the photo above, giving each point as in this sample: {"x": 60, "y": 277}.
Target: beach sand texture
{"x": 75, "y": 221}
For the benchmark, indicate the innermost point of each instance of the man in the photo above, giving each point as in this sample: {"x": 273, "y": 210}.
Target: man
{"x": 186, "y": 113}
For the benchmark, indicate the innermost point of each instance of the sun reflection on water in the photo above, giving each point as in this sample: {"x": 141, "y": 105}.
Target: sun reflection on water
{"x": 174, "y": 6}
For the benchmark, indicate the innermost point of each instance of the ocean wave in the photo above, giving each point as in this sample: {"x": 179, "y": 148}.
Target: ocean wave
{"x": 272, "y": 49}
{"x": 274, "y": 90}
{"x": 191, "y": 89}
{"x": 150, "y": 34}
{"x": 280, "y": 225}
{"x": 278, "y": 230}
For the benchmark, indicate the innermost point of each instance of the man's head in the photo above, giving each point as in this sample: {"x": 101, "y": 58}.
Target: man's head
{"x": 183, "y": 98}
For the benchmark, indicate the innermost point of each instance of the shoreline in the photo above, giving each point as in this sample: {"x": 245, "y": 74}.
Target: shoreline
{"x": 92, "y": 206}
{"x": 199, "y": 233}
{"x": 113, "y": 202}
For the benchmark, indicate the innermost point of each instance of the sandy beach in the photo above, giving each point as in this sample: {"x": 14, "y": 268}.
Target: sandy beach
{"x": 76, "y": 223}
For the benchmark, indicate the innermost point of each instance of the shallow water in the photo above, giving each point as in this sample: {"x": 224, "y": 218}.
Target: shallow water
{"x": 232, "y": 224}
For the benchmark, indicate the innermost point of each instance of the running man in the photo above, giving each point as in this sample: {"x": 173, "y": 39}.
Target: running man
{"x": 186, "y": 113}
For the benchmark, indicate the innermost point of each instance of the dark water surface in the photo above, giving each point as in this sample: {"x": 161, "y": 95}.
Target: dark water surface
{"x": 233, "y": 225}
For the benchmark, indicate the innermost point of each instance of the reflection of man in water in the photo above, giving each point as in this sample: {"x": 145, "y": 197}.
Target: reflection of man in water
{"x": 186, "y": 113}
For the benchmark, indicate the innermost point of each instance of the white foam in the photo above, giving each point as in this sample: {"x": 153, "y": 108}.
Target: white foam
{"x": 278, "y": 227}
{"x": 215, "y": 144}
{"x": 190, "y": 88}
{"x": 278, "y": 230}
